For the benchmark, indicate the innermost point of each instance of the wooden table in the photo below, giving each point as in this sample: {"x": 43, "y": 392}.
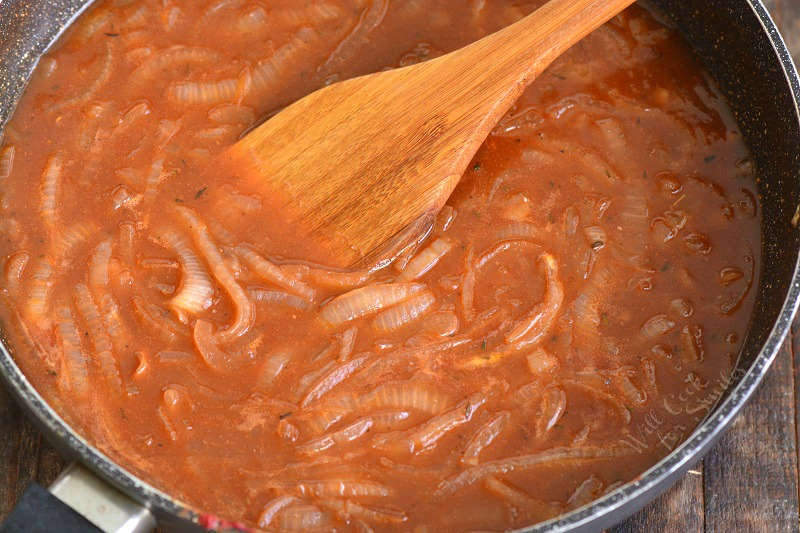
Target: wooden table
{"x": 748, "y": 482}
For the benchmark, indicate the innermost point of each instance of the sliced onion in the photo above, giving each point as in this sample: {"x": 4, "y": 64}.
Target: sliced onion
{"x": 539, "y": 320}
{"x": 41, "y": 285}
{"x": 366, "y": 300}
{"x": 442, "y": 323}
{"x": 571, "y": 220}
{"x": 92, "y": 24}
{"x": 692, "y": 340}
{"x": 155, "y": 177}
{"x": 303, "y": 518}
{"x": 157, "y": 319}
{"x": 305, "y": 381}
{"x": 445, "y": 218}
{"x": 328, "y": 279}
{"x": 14, "y": 269}
{"x": 196, "y": 292}
{"x": 468, "y": 279}
{"x": 244, "y": 310}
{"x": 735, "y": 302}
{"x": 382, "y": 421}
{"x": 541, "y": 362}
{"x": 74, "y": 376}
{"x": 519, "y": 246}
{"x": 429, "y": 433}
{"x": 269, "y": 75}
{"x": 51, "y": 184}
{"x": 272, "y": 273}
{"x": 131, "y": 116}
{"x": 288, "y": 431}
{"x": 253, "y": 21}
{"x": 358, "y": 37}
{"x": 272, "y": 508}
{"x": 425, "y": 260}
{"x": 273, "y": 366}
{"x": 515, "y": 231}
{"x": 167, "y": 129}
{"x": 587, "y": 491}
{"x": 521, "y": 501}
{"x": 630, "y": 391}
{"x": 6, "y": 161}
{"x": 126, "y": 242}
{"x": 623, "y": 412}
{"x": 172, "y": 60}
{"x": 217, "y": 134}
{"x": 204, "y": 341}
{"x": 99, "y": 79}
{"x": 348, "y": 510}
{"x": 342, "y": 488}
{"x": 332, "y": 379}
{"x": 99, "y": 336}
{"x": 586, "y": 307}
{"x": 415, "y": 395}
{"x": 656, "y": 326}
{"x": 203, "y": 93}
{"x": 554, "y": 403}
{"x": 232, "y": 114}
{"x": 278, "y": 297}
{"x": 404, "y": 313}
{"x": 314, "y": 14}
{"x": 350, "y": 433}
{"x": 525, "y": 463}
{"x": 484, "y": 437}
{"x": 98, "y": 268}
{"x": 596, "y": 236}
{"x": 320, "y": 421}
{"x": 120, "y": 337}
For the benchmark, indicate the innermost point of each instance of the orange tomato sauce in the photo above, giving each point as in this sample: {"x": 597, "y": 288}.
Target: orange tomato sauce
{"x": 566, "y": 321}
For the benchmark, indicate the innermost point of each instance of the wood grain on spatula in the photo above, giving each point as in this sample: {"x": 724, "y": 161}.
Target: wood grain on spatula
{"x": 352, "y": 164}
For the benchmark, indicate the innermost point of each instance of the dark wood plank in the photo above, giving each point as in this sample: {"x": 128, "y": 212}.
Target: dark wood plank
{"x": 50, "y": 464}
{"x": 786, "y": 14}
{"x": 750, "y": 478}
{"x": 10, "y": 422}
{"x": 679, "y": 509}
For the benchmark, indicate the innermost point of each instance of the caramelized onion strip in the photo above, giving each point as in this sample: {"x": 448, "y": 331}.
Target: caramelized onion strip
{"x": 485, "y": 435}
{"x": 333, "y": 378}
{"x": 366, "y": 300}
{"x": 425, "y": 260}
{"x": 348, "y": 510}
{"x": 524, "y": 463}
{"x": 404, "y": 313}
{"x": 74, "y": 375}
{"x": 538, "y": 321}
{"x": 51, "y": 185}
{"x": 269, "y": 271}
{"x": 429, "y": 433}
{"x": 244, "y": 310}
{"x": 272, "y": 508}
{"x": 196, "y": 292}
{"x": 99, "y": 335}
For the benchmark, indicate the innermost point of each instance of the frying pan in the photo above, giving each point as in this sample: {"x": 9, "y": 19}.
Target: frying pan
{"x": 742, "y": 49}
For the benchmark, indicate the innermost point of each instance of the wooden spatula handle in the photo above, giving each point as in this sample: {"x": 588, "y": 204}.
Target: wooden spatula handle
{"x": 517, "y": 54}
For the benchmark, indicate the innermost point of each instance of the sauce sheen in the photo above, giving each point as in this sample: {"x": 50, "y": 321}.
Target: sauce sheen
{"x": 565, "y": 322}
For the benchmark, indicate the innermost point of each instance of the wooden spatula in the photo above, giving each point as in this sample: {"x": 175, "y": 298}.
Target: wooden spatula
{"x": 352, "y": 164}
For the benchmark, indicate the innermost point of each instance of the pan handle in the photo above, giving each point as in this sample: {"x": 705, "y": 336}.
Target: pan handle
{"x": 78, "y": 502}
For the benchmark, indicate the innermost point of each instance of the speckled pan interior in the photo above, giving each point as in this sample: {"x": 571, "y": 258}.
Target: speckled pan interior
{"x": 742, "y": 49}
